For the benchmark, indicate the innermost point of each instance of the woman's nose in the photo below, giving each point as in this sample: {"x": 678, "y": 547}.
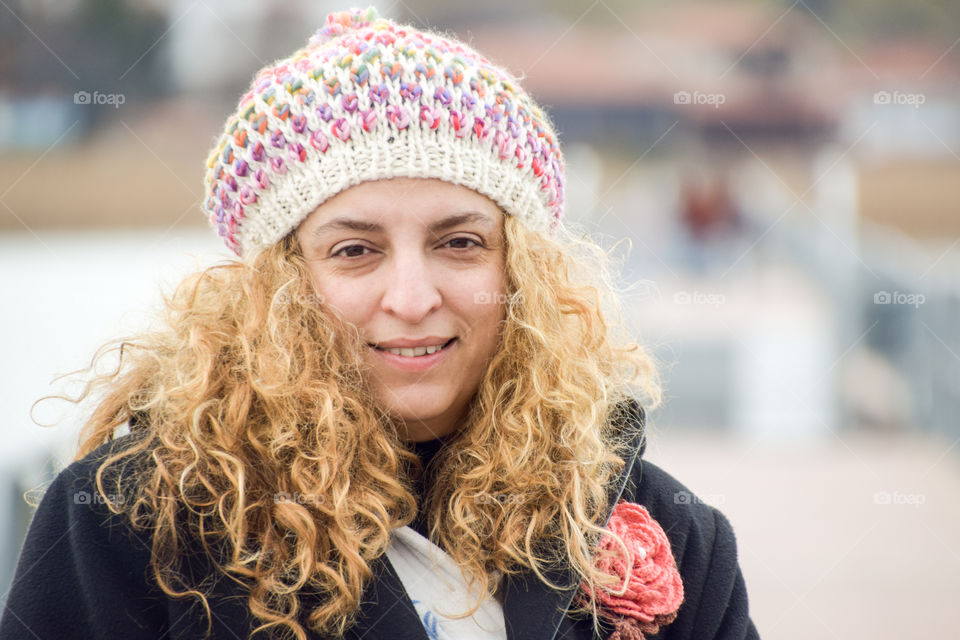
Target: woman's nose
{"x": 411, "y": 290}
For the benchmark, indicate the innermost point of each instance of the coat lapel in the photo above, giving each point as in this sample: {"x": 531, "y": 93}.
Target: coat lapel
{"x": 531, "y": 609}
{"x": 386, "y": 612}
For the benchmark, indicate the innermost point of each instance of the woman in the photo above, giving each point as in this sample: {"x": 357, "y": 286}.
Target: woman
{"x": 407, "y": 411}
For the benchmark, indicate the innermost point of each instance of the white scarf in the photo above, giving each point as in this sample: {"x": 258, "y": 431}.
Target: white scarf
{"x": 437, "y": 588}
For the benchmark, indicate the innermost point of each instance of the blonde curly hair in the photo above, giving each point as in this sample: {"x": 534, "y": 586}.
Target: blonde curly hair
{"x": 252, "y": 389}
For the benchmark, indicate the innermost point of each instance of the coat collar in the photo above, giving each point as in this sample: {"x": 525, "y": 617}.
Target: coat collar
{"x": 531, "y": 609}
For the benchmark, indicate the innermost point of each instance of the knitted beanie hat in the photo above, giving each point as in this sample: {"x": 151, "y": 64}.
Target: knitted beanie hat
{"x": 367, "y": 99}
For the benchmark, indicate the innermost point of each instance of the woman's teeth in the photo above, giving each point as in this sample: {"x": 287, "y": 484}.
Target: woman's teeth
{"x": 414, "y": 351}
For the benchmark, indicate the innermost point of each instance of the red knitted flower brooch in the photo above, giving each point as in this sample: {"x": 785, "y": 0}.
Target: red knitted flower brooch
{"x": 651, "y": 591}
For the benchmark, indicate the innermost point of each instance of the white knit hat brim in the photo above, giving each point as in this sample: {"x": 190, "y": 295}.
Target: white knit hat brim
{"x": 409, "y": 153}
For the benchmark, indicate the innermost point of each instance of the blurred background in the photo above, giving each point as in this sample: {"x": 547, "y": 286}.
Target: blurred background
{"x": 786, "y": 175}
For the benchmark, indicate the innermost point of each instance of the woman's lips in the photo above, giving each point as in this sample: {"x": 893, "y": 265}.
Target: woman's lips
{"x": 415, "y": 363}
{"x": 434, "y": 344}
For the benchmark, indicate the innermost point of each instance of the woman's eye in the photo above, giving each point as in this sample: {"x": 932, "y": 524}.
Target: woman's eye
{"x": 461, "y": 240}
{"x": 351, "y": 251}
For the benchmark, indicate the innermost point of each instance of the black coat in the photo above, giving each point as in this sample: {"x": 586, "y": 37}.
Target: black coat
{"x": 84, "y": 573}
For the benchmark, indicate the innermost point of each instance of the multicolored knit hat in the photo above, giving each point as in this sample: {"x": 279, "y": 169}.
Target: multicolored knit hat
{"x": 367, "y": 99}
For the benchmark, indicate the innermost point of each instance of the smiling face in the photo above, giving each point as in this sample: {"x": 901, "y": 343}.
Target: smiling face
{"x": 417, "y": 265}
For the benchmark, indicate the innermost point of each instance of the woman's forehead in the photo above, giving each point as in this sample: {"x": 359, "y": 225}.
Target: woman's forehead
{"x": 381, "y": 204}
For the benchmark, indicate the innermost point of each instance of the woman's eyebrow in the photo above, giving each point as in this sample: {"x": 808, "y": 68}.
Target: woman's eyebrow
{"x": 437, "y": 227}
{"x": 457, "y": 219}
{"x": 346, "y": 223}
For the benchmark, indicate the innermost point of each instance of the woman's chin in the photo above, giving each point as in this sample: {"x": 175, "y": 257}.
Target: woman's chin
{"x": 423, "y": 419}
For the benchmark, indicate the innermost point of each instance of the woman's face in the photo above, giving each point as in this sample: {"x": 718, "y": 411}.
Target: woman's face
{"x": 414, "y": 263}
